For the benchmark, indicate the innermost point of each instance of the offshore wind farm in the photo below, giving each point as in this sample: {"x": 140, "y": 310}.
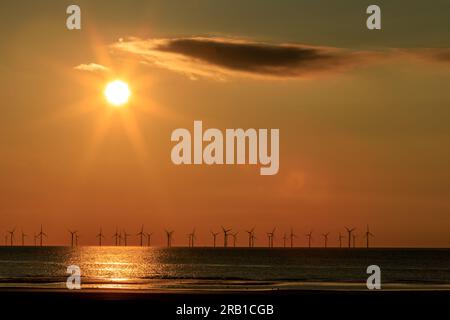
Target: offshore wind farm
{"x": 121, "y": 238}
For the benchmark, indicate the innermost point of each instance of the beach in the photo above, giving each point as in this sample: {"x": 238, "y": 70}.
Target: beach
{"x": 292, "y": 304}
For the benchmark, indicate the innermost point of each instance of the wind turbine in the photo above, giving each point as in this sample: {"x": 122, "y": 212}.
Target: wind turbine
{"x": 225, "y": 236}
{"x": 125, "y": 237}
{"x": 325, "y": 238}
{"x": 234, "y": 235}
{"x": 169, "y": 238}
{"x": 40, "y": 235}
{"x": 367, "y": 235}
{"x": 35, "y": 237}
{"x": 11, "y": 236}
{"x": 192, "y": 237}
{"x": 214, "y": 234}
{"x": 309, "y": 235}
{"x": 149, "y": 238}
{"x": 340, "y": 239}
{"x": 292, "y": 236}
{"x": 350, "y": 235}
{"x": 250, "y": 237}
{"x": 23, "y": 238}
{"x": 270, "y": 236}
{"x": 253, "y": 239}
{"x": 116, "y": 236}
{"x": 77, "y": 236}
{"x": 269, "y": 239}
{"x": 189, "y": 238}
{"x": 284, "y": 240}
{"x": 100, "y": 236}
{"x": 72, "y": 234}
{"x": 141, "y": 234}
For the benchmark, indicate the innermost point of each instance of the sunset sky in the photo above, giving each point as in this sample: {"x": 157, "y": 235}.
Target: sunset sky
{"x": 364, "y": 118}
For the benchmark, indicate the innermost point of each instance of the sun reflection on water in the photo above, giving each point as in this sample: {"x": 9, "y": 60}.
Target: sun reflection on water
{"x": 107, "y": 267}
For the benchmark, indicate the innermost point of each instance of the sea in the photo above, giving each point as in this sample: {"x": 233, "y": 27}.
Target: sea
{"x": 152, "y": 268}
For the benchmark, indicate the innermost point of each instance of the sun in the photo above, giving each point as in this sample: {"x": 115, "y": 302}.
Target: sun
{"x": 117, "y": 93}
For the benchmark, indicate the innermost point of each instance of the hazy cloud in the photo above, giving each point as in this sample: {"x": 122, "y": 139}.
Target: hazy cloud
{"x": 441, "y": 55}
{"x": 91, "y": 67}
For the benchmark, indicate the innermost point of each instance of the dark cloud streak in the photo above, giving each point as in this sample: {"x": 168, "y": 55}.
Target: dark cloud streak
{"x": 219, "y": 58}
{"x": 253, "y": 57}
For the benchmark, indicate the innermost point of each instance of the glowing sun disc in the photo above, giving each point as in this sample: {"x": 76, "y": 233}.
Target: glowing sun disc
{"x": 117, "y": 92}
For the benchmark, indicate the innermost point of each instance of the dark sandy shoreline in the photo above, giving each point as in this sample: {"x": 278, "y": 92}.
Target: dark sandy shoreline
{"x": 286, "y": 303}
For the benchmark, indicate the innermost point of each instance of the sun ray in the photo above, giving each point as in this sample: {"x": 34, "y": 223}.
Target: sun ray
{"x": 135, "y": 137}
{"x": 101, "y": 128}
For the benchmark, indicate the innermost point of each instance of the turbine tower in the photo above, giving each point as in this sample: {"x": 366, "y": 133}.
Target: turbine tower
{"x": 11, "y": 236}
{"x": 40, "y": 235}
{"x": 192, "y": 237}
{"x": 253, "y": 240}
{"x": 225, "y": 236}
{"x": 100, "y": 236}
{"x": 23, "y": 238}
{"x": 76, "y": 239}
{"x": 284, "y": 240}
{"x": 367, "y": 235}
{"x": 234, "y": 235}
{"x": 292, "y": 236}
{"x": 269, "y": 239}
{"x": 169, "y": 235}
{"x": 190, "y": 242}
{"x": 340, "y": 239}
{"x": 141, "y": 234}
{"x": 125, "y": 237}
{"x": 325, "y": 238}
{"x": 270, "y": 236}
{"x": 214, "y": 234}
{"x": 350, "y": 235}
{"x": 250, "y": 237}
{"x": 72, "y": 235}
{"x": 309, "y": 235}
{"x": 149, "y": 238}
{"x": 116, "y": 237}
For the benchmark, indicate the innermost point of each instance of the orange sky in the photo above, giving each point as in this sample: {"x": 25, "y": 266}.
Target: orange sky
{"x": 366, "y": 142}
